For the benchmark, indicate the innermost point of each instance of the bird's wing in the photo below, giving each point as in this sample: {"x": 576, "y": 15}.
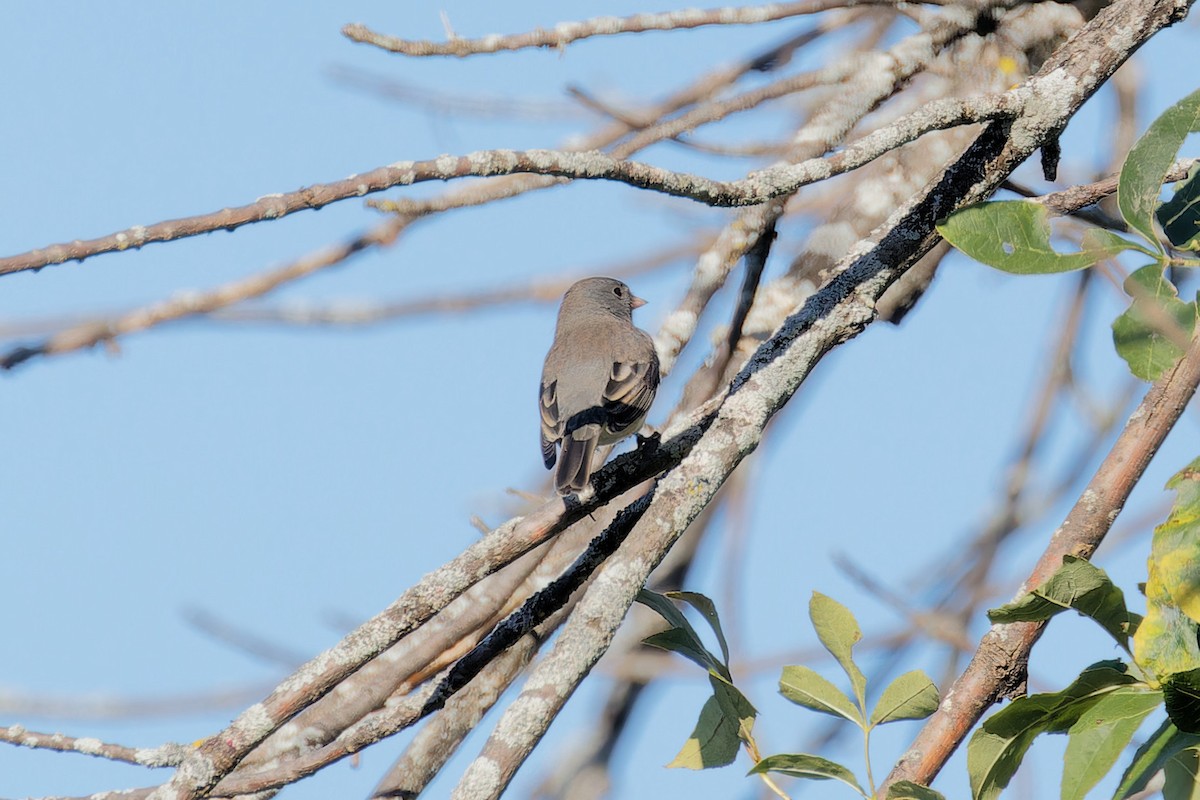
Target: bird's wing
{"x": 630, "y": 391}
{"x": 551, "y": 424}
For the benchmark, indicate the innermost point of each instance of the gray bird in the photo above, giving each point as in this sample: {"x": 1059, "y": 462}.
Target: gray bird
{"x": 599, "y": 378}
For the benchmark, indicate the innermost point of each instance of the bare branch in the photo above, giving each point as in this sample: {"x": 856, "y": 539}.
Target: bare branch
{"x": 440, "y": 737}
{"x": 395, "y": 672}
{"x": 188, "y": 305}
{"x": 440, "y": 101}
{"x": 541, "y": 291}
{"x": 433, "y": 696}
{"x": 880, "y": 76}
{"x": 358, "y": 312}
{"x": 265, "y": 208}
{"x": 1077, "y": 197}
{"x": 109, "y": 707}
{"x": 237, "y": 637}
{"x": 833, "y": 315}
{"x": 221, "y": 753}
{"x": 705, "y": 87}
{"x": 167, "y": 755}
{"x": 564, "y": 33}
{"x": 757, "y": 188}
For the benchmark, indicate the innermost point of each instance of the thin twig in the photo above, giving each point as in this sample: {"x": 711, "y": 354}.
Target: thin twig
{"x": 756, "y": 188}
{"x": 1068, "y": 201}
{"x": 564, "y": 33}
{"x": 167, "y": 755}
{"x": 442, "y": 101}
{"x": 121, "y": 707}
{"x": 239, "y": 638}
{"x": 192, "y": 304}
{"x": 881, "y": 75}
{"x": 539, "y": 291}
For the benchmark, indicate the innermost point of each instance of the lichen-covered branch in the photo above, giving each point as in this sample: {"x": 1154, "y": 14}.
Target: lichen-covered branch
{"x": 190, "y": 304}
{"x": 564, "y": 33}
{"x": 834, "y": 314}
{"x": 754, "y": 189}
{"x": 167, "y": 755}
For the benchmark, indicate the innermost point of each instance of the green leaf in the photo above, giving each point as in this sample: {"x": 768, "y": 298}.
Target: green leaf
{"x": 735, "y": 706}
{"x": 677, "y": 640}
{"x": 998, "y": 746}
{"x": 1181, "y": 693}
{"x": 805, "y": 687}
{"x": 1150, "y": 333}
{"x": 709, "y": 609}
{"x": 1182, "y": 775}
{"x": 1080, "y": 585}
{"x": 839, "y": 632}
{"x": 911, "y": 696}
{"x": 714, "y": 741}
{"x": 907, "y": 790}
{"x": 803, "y": 765}
{"x": 1165, "y": 643}
{"x": 1101, "y": 734}
{"x": 1151, "y": 757}
{"x": 1145, "y": 169}
{"x": 681, "y": 637}
{"x": 1014, "y": 236}
{"x": 1176, "y": 545}
{"x": 1180, "y": 216}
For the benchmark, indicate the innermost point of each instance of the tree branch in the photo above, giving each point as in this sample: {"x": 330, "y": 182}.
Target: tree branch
{"x": 191, "y": 304}
{"x": 999, "y": 663}
{"x": 432, "y": 697}
{"x": 752, "y": 190}
{"x": 831, "y": 316}
{"x": 218, "y": 755}
{"x": 564, "y": 33}
{"x": 167, "y": 755}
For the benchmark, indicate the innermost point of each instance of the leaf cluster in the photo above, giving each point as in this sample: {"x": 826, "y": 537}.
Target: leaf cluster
{"x": 1016, "y": 236}
{"x": 1103, "y": 708}
{"x": 727, "y": 718}
{"x": 1100, "y": 711}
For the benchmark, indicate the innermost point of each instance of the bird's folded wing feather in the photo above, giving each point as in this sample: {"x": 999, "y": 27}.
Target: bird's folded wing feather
{"x": 630, "y": 392}
{"x": 551, "y": 424}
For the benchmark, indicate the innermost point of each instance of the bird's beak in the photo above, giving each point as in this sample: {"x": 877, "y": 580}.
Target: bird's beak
{"x": 636, "y": 301}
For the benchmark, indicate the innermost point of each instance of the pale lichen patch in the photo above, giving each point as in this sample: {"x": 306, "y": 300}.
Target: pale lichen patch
{"x": 255, "y": 721}
{"x": 513, "y": 726}
{"x": 89, "y": 746}
{"x": 482, "y": 779}
{"x": 675, "y": 329}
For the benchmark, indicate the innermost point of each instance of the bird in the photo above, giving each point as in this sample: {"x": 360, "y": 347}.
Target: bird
{"x": 599, "y": 379}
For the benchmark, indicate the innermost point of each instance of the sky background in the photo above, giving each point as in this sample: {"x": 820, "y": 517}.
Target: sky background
{"x": 295, "y": 481}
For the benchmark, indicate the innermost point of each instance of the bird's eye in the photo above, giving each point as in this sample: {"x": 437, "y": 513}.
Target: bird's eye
{"x": 619, "y": 291}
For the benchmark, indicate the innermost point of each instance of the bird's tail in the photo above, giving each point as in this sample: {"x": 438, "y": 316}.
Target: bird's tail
{"x": 575, "y": 460}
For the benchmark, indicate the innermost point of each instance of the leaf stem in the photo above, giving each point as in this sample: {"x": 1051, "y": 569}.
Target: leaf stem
{"x": 755, "y": 756}
{"x": 867, "y": 756}
{"x": 774, "y": 787}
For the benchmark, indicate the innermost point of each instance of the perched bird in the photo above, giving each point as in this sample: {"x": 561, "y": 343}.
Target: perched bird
{"x": 599, "y": 378}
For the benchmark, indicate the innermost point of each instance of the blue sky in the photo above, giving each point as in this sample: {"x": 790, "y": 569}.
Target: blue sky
{"x": 295, "y": 481}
